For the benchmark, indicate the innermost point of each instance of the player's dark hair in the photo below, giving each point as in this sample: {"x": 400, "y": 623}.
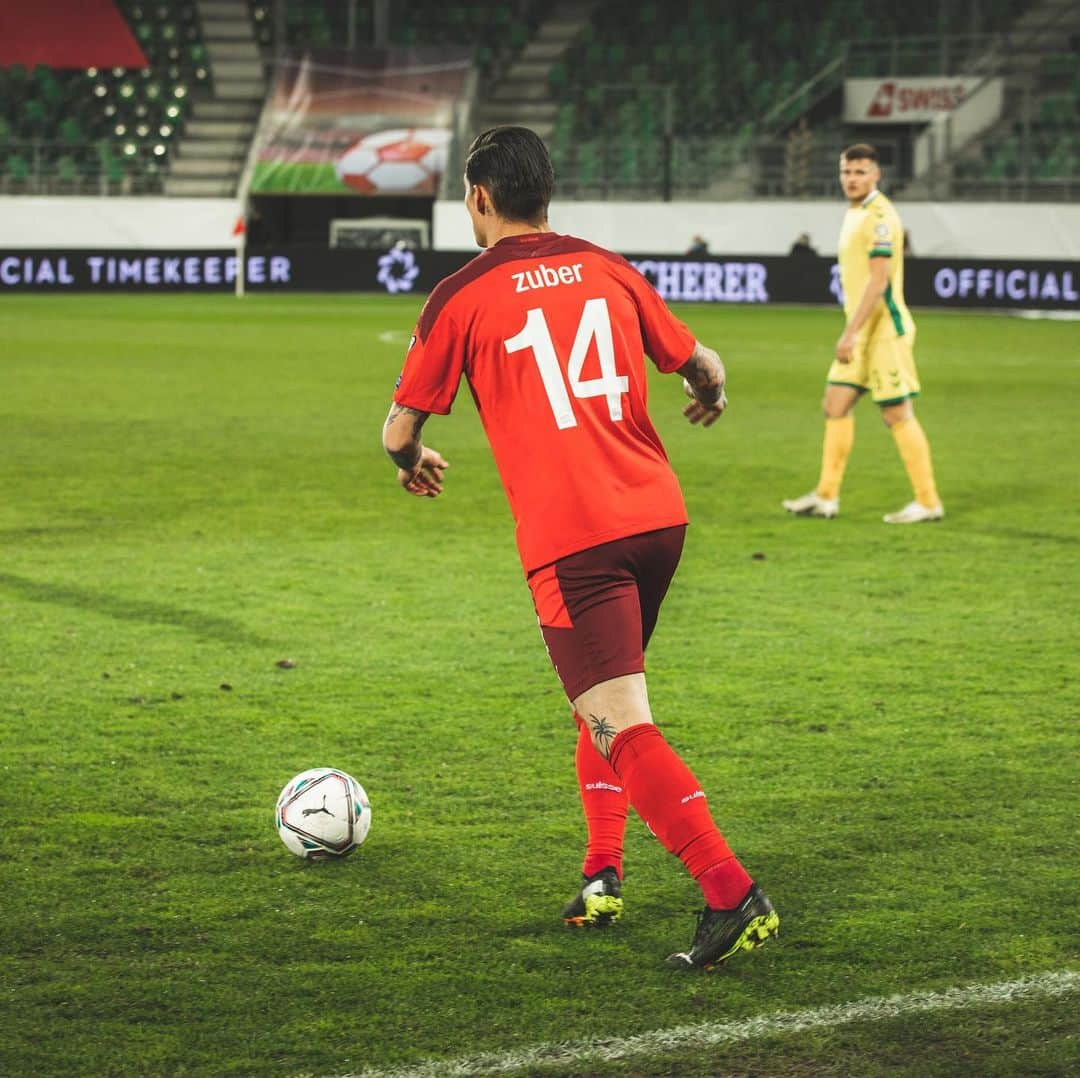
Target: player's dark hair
{"x": 861, "y": 151}
{"x": 514, "y": 165}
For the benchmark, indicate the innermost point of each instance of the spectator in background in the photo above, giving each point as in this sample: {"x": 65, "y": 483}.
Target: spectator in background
{"x": 802, "y": 246}
{"x": 698, "y": 246}
{"x": 909, "y": 251}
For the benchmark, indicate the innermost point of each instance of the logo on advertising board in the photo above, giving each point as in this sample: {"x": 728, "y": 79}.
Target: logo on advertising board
{"x": 904, "y": 100}
{"x": 883, "y": 100}
{"x": 706, "y": 282}
{"x": 398, "y": 270}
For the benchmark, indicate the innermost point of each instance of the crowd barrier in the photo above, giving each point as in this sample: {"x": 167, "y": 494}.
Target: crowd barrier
{"x": 744, "y": 279}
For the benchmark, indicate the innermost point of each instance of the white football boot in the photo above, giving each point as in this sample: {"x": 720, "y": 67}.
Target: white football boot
{"x": 812, "y": 505}
{"x": 915, "y": 513}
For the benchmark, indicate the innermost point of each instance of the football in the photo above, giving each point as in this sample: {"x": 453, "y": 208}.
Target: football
{"x": 322, "y": 812}
{"x": 395, "y": 162}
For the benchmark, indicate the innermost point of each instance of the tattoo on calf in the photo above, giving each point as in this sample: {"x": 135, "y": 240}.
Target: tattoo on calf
{"x": 603, "y": 733}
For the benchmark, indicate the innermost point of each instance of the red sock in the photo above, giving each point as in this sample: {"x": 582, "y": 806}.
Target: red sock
{"x": 605, "y": 803}
{"x": 669, "y": 799}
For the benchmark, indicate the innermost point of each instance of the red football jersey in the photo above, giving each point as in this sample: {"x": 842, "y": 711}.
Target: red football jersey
{"x": 551, "y": 333}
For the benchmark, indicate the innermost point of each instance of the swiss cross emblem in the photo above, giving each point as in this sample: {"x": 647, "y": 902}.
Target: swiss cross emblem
{"x": 883, "y": 100}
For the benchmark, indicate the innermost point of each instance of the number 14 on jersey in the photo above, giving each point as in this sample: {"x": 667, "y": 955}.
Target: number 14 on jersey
{"x": 595, "y": 324}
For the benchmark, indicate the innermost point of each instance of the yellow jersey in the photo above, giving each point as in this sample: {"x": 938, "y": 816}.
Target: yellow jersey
{"x": 870, "y": 230}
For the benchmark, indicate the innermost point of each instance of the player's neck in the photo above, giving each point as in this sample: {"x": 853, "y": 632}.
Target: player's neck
{"x": 502, "y": 229}
{"x": 857, "y": 202}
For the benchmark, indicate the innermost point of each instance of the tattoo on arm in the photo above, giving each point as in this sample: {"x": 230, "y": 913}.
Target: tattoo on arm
{"x": 403, "y": 449}
{"x": 705, "y": 373}
{"x": 603, "y": 733}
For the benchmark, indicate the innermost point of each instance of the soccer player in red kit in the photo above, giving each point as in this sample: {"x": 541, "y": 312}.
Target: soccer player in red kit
{"x": 551, "y": 333}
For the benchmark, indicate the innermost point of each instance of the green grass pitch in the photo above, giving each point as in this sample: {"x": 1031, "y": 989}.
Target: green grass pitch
{"x": 885, "y": 719}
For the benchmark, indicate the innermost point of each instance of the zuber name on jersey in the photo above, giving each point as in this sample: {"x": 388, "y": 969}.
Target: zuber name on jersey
{"x": 546, "y": 277}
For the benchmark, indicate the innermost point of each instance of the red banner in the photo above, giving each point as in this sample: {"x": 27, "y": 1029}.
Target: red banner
{"x": 66, "y": 33}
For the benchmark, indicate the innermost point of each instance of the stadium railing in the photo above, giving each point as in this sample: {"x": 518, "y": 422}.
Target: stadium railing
{"x": 88, "y": 168}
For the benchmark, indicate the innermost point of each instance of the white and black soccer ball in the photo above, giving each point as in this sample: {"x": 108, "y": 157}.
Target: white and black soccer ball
{"x": 395, "y": 162}
{"x": 323, "y": 812}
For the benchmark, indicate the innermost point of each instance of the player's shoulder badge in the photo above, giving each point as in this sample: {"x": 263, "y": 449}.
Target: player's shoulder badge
{"x": 881, "y": 230}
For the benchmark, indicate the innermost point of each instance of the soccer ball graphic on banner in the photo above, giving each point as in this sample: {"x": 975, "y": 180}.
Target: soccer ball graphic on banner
{"x": 323, "y": 812}
{"x": 394, "y": 162}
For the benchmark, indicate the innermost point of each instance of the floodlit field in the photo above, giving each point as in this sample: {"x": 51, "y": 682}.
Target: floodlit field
{"x": 885, "y": 719}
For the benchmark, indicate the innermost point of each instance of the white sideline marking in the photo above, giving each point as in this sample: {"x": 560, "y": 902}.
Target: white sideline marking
{"x": 660, "y": 1042}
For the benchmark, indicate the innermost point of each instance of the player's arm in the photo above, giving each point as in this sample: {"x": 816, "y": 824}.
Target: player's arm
{"x": 703, "y": 379}
{"x": 875, "y": 289}
{"x": 420, "y": 469}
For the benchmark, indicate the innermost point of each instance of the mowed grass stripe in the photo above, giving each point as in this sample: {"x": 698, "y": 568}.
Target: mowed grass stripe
{"x": 662, "y": 1042}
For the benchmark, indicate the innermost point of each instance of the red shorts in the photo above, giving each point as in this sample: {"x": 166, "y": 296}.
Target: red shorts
{"x": 597, "y": 608}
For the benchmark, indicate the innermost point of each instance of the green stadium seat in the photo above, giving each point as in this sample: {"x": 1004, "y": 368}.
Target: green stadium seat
{"x": 18, "y": 169}
{"x": 111, "y": 168}
{"x": 699, "y": 13}
{"x": 861, "y": 31}
{"x": 67, "y": 169}
{"x": 626, "y": 164}
{"x": 615, "y": 56}
{"x": 589, "y": 165}
{"x": 34, "y": 116}
{"x": 650, "y": 163}
{"x": 648, "y": 117}
{"x": 564, "y": 122}
{"x": 71, "y": 132}
{"x": 785, "y": 35}
{"x": 519, "y": 35}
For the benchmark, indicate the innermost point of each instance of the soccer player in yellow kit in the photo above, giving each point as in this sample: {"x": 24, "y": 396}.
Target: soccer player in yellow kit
{"x": 875, "y": 350}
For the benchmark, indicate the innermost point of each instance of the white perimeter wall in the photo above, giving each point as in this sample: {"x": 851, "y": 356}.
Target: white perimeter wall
{"x": 943, "y": 229}
{"x": 65, "y": 223}
{"x": 938, "y": 229}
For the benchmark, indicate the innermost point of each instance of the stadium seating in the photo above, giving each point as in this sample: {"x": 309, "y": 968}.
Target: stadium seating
{"x": 689, "y": 81}
{"x": 67, "y": 131}
{"x": 487, "y": 28}
{"x": 652, "y": 98}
